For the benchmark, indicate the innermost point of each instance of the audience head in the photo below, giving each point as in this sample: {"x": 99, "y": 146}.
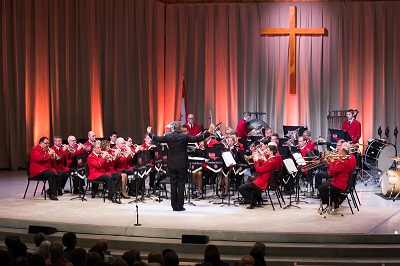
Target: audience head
{"x": 213, "y": 257}
{"x": 11, "y": 240}
{"x": 20, "y": 261}
{"x": 36, "y": 260}
{"x": 39, "y": 238}
{"x": 78, "y": 257}
{"x": 69, "y": 240}
{"x": 119, "y": 262}
{"x": 258, "y": 257}
{"x": 103, "y": 244}
{"x": 261, "y": 247}
{"x": 93, "y": 258}
{"x": 56, "y": 250}
{"x": 248, "y": 260}
{"x": 19, "y": 250}
{"x": 44, "y": 249}
{"x": 155, "y": 256}
{"x": 5, "y": 258}
{"x": 98, "y": 249}
{"x": 131, "y": 257}
{"x": 171, "y": 259}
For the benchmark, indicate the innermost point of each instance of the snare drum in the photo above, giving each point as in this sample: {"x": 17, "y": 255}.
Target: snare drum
{"x": 390, "y": 178}
{"x": 377, "y": 155}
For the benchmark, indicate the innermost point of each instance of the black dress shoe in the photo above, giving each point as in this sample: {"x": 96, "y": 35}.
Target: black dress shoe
{"x": 53, "y": 197}
{"x": 257, "y": 204}
{"x": 250, "y": 207}
{"x": 181, "y": 210}
{"x": 114, "y": 200}
{"x": 59, "y": 193}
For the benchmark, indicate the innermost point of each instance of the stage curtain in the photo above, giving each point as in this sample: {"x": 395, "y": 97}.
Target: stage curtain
{"x": 72, "y": 66}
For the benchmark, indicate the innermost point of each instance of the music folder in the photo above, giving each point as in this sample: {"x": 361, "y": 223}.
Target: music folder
{"x": 228, "y": 158}
{"x": 337, "y": 134}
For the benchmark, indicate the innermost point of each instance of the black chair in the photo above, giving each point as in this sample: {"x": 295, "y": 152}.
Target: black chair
{"x": 340, "y": 196}
{"x": 273, "y": 185}
{"x": 37, "y": 180}
{"x": 90, "y": 183}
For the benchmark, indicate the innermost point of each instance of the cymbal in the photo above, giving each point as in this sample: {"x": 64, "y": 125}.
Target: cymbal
{"x": 397, "y": 159}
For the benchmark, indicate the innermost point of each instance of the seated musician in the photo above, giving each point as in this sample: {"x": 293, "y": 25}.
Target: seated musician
{"x": 149, "y": 144}
{"x": 97, "y": 164}
{"x": 264, "y": 167}
{"x": 112, "y": 138}
{"x": 340, "y": 168}
{"x": 268, "y": 134}
{"x": 87, "y": 146}
{"x": 58, "y": 162}
{"x": 275, "y": 138}
{"x": 109, "y": 166}
{"x": 122, "y": 158}
{"x": 40, "y": 167}
{"x": 324, "y": 174}
{"x": 75, "y": 149}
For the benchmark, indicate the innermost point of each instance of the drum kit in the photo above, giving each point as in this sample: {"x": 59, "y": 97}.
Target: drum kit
{"x": 381, "y": 156}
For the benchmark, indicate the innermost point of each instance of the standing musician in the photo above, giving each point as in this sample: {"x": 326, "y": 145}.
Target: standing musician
{"x": 58, "y": 162}
{"x": 89, "y": 143}
{"x": 193, "y": 128}
{"x": 242, "y": 126}
{"x": 340, "y": 169}
{"x": 97, "y": 164}
{"x": 40, "y": 167}
{"x": 178, "y": 161}
{"x": 74, "y": 149}
{"x": 352, "y": 126}
{"x": 109, "y": 167}
{"x": 264, "y": 167}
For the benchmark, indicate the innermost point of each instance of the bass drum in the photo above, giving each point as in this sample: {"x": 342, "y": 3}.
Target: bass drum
{"x": 390, "y": 180}
{"x": 377, "y": 155}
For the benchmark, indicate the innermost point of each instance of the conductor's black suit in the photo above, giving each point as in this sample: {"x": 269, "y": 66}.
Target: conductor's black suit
{"x": 178, "y": 162}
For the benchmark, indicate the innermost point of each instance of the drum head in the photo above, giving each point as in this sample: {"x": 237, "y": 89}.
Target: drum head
{"x": 377, "y": 155}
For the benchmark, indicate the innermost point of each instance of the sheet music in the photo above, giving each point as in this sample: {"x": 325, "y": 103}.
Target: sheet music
{"x": 299, "y": 159}
{"x": 290, "y": 166}
{"x": 228, "y": 158}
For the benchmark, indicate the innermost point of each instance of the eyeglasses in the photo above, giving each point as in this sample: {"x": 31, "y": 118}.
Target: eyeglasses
{"x": 72, "y": 140}
{"x": 190, "y": 117}
{"x": 46, "y": 143}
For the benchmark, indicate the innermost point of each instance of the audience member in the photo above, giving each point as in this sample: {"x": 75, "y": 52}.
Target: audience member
{"x": 10, "y": 241}
{"x": 78, "y": 257}
{"x": 5, "y": 258}
{"x": 97, "y": 248}
{"x": 131, "y": 257}
{"x": 70, "y": 241}
{"x": 212, "y": 255}
{"x": 155, "y": 256}
{"x": 37, "y": 239}
{"x": 20, "y": 261}
{"x": 56, "y": 255}
{"x": 36, "y": 260}
{"x": 44, "y": 249}
{"x": 171, "y": 259}
{"x": 258, "y": 257}
{"x": 93, "y": 258}
{"x": 104, "y": 247}
{"x": 248, "y": 260}
{"x": 119, "y": 262}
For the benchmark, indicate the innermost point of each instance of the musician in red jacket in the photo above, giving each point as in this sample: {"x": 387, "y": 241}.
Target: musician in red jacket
{"x": 340, "y": 169}
{"x": 193, "y": 128}
{"x": 352, "y": 126}
{"x": 241, "y": 128}
{"x": 89, "y": 143}
{"x": 97, "y": 164}
{"x": 264, "y": 167}
{"x": 75, "y": 149}
{"x": 40, "y": 167}
{"x": 59, "y": 162}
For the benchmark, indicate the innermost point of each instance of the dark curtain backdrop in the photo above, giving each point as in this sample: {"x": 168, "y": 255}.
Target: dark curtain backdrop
{"x": 68, "y": 67}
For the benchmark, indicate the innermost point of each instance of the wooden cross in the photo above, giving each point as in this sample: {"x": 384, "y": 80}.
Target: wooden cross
{"x": 292, "y": 32}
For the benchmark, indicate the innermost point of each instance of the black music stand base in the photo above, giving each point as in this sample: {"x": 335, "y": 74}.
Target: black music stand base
{"x": 222, "y": 203}
{"x": 136, "y": 200}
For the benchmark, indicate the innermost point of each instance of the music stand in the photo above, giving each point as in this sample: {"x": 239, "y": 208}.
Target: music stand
{"x": 143, "y": 169}
{"x": 78, "y": 163}
{"x": 195, "y": 165}
{"x": 214, "y": 161}
{"x": 252, "y": 139}
{"x": 158, "y": 166}
{"x": 230, "y": 163}
{"x": 337, "y": 134}
{"x": 292, "y": 170}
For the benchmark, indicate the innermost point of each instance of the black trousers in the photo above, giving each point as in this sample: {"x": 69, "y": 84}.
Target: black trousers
{"x": 51, "y": 177}
{"x": 113, "y": 182}
{"x": 64, "y": 177}
{"x": 178, "y": 179}
{"x": 319, "y": 177}
{"x": 324, "y": 191}
{"x": 250, "y": 192}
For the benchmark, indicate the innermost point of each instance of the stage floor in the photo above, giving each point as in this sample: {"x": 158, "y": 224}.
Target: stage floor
{"x": 377, "y": 216}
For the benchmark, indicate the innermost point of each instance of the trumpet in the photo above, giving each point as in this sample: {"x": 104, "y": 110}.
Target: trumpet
{"x": 257, "y": 152}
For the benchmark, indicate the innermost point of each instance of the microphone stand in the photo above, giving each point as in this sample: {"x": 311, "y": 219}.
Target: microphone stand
{"x": 137, "y": 216}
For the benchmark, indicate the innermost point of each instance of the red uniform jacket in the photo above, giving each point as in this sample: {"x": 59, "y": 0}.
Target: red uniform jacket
{"x": 120, "y": 163}
{"x": 194, "y": 130}
{"x": 239, "y": 146}
{"x": 354, "y": 130}
{"x": 264, "y": 170}
{"x": 241, "y": 129}
{"x": 87, "y": 147}
{"x": 40, "y": 160}
{"x": 96, "y": 165}
{"x": 59, "y": 164}
{"x": 341, "y": 171}
{"x": 71, "y": 154}
{"x": 211, "y": 143}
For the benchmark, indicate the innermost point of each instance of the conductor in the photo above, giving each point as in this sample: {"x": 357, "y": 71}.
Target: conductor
{"x": 178, "y": 162}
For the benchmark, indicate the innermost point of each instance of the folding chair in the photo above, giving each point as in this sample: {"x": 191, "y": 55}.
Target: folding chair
{"x": 37, "y": 180}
